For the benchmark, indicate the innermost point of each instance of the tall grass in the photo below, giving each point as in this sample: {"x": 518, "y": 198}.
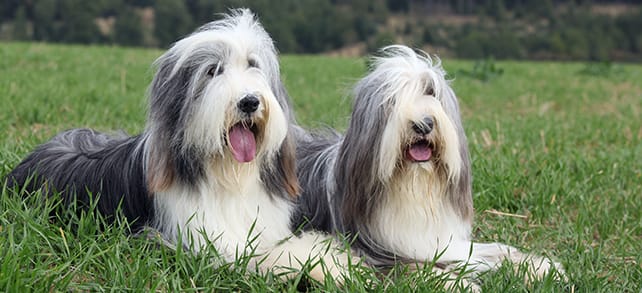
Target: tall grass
{"x": 558, "y": 150}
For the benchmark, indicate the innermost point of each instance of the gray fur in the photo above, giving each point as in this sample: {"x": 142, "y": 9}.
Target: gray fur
{"x": 82, "y": 163}
{"x": 338, "y": 174}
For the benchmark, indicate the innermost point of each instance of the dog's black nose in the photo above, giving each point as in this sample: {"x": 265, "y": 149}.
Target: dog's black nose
{"x": 249, "y": 104}
{"x": 424, "y": 127}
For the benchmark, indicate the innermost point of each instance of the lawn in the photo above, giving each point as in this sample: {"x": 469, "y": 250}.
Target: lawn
{"x": 557, "y": 165}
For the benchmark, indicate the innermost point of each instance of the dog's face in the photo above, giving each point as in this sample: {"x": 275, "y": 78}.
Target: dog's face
{"x": 232, "y": 109}
{"x": 217, "y": 94}
{"x": 405, "y": 138}
{"x": 408, "y": 96}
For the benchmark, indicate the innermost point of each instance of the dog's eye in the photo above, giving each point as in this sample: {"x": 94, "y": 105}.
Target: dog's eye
{"x": 429, "y": 91}
{"x": 215, "y": 70}
{"x": 252, "y": 63}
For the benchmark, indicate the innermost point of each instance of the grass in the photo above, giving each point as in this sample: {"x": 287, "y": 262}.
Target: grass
{"x": 559, "y": 148}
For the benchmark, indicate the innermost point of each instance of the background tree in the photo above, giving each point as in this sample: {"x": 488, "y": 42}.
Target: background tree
{"x": 171, "y": 21}
{"x": 398, "y": 5}
{"x": 128, "y": 29}
{"x": 8, "y": 8}
{"x": 496, "y": 9}
{"x": 44, "y": 20}
{"x": 629, "y": 26}
{"x": 203, "y": 11}
{"x": 79, "y": 25}
{"x": 20, "y": 25}
{"x": 549, "y": 29}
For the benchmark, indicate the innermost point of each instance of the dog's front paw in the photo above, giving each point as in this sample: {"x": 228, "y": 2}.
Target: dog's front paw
{"x": 318, "y": 254}
{"x": 333, "y": 265}
{"x": 539, "y": 267}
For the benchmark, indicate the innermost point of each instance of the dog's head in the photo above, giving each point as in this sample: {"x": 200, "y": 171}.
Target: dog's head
{"x": 405, "y": 122}
{"x": 410, "y": 114}
{"x": 216, "y": 95}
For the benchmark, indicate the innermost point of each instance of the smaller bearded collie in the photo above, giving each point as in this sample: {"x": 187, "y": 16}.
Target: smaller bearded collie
{"x": 399, "y": 180}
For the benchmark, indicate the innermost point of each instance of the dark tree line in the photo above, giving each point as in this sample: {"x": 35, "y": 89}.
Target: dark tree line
{"x": 548, "y": 30}
{"x": 537, "y": 29}
{"x": 306, "y": 26}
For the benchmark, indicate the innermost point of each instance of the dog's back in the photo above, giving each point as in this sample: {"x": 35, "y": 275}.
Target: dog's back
{"x": 316, "y": 154}
{"x": 81, "y": 164}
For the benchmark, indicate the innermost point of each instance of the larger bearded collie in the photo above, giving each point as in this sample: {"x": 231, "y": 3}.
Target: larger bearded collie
{"x": 215, "y": 163}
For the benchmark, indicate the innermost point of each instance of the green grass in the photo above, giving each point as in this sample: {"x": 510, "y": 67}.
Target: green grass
{"x": 549, "y": 142}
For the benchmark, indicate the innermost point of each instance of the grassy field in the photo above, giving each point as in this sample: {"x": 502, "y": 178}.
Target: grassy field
{"x": 557, "y": 146}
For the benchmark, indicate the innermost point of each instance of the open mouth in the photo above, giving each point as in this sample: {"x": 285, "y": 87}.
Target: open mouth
{"x": 242, "y": 140}
{"x": 420, "y": 151}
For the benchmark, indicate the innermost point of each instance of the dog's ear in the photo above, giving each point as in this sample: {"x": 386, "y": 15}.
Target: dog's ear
{"x": 359, "y": 185}
{"x": 279, "y": 176}
{"x": 461, "y": 189}
{"x": 286, "y": 158}
{"x": 287, "y": 162}
{"x": 166, "y": 101}
{"x": 159, "y": 171}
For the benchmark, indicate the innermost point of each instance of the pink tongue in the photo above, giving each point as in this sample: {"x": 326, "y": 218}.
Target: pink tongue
{"x": 420, "y": 152}
{"x": 243, "y": 143}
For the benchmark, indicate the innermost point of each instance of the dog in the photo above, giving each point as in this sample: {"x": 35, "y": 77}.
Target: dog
{"x": 399, "y": 181}
{"x": 214, "y": 164}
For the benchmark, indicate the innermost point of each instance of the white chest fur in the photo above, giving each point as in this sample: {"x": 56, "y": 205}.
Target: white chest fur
{"x": 230, "y": 214}
{"x": 416, "y": 220}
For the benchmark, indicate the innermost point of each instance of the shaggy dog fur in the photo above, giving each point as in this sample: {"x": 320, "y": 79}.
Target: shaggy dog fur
{"x": 399, "y": 180}
{"x": 215, "y": 163}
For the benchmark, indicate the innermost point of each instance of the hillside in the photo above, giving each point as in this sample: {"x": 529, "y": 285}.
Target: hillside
{"x": 526, "y": 29}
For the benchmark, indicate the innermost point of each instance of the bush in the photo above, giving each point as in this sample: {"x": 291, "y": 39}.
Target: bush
{"x": 504, "y": 45}
{"x": 601, "y": 69}
{"x": 576, "y": 43}
{"x": 470, "y": 45}
{"x": 483, "y": 70}
{"x": 379, "y": 41}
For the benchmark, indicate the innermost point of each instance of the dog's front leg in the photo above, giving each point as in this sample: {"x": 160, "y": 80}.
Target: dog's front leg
{"x": 489, "y": 256}
{"x": 319, "y": 253}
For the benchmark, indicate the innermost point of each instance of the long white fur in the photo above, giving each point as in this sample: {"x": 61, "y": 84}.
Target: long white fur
{"x": 400, "y": 209}
{"x": 406, "y": 80}
{"x": 417, "y": 192}
{"x": 230, "y": 206}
